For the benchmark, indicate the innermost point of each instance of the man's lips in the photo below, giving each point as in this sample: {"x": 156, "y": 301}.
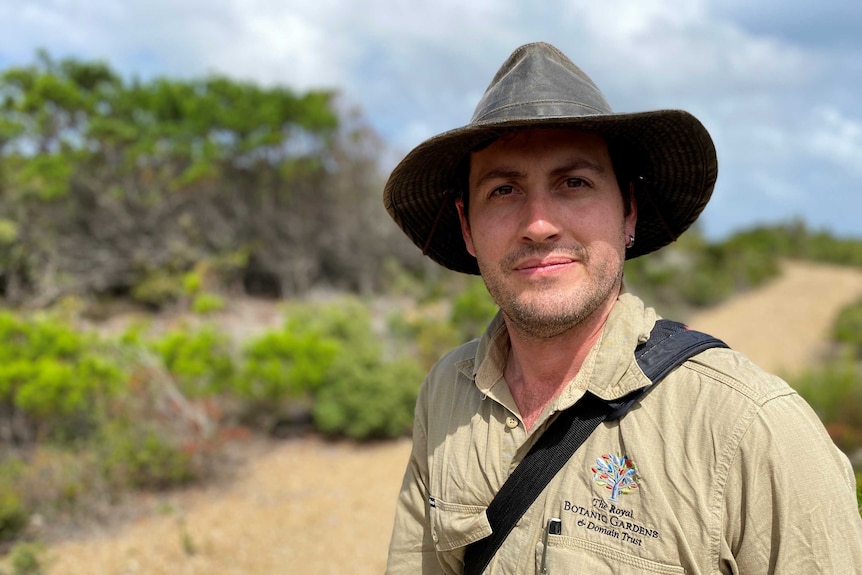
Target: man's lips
{"x": 541, "y": 264}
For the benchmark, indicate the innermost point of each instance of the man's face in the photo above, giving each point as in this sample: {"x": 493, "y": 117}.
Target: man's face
{"x": 547, "y": 226}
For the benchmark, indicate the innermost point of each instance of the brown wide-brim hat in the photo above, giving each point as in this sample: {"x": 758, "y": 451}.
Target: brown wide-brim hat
{"x": 538, "y": 86}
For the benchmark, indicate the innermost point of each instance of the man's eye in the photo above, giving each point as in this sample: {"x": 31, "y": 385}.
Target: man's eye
{"x": 502, "y": 191}
{"x": 575, "y": 182}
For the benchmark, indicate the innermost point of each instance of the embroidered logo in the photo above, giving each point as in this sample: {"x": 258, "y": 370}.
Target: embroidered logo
{"x": 617, "y": 474}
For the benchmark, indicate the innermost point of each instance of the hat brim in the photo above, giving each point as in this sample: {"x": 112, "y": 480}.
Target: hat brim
{"x": 674, "y": 154}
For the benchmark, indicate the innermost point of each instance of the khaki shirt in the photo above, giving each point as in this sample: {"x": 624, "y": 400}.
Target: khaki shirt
{"x": 734, "y": 471}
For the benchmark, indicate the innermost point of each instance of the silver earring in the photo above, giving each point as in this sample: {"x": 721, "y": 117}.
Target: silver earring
{"x": 631, "y": 242}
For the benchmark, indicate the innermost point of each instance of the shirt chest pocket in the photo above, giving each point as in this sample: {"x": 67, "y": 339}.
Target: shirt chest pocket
{"x": 455, "y": 526}
{"x": 573, "y": 555}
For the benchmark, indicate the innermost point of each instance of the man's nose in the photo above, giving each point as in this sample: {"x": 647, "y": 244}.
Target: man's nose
{"x": 540, "y": 217}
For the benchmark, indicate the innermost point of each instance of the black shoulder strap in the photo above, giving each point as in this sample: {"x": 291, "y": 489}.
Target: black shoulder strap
{"x": 669, "y": 345}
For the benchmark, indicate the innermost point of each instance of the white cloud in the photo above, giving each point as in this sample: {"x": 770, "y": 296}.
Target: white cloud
{"x": 629, "y": 20}
{"x": 776, "y": 187}
{"x": 837, "y": 139}
{"x": 676, "y": 49}
{"x": 276, "y": 43}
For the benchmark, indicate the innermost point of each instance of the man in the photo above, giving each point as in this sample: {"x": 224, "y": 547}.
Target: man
{"x": 721, "y": 468}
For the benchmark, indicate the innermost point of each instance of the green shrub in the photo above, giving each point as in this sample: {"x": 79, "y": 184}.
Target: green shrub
{"x": 429, "y": 330}
{"x": 720, "y": 270}
{"x": 707, "y": 284}
{"x": 794, "y": 240}
{"x": 653, "y": 276}
{"x": 824, "y": 247}
{"x": 424, "y": 333}
{"x": 346, "y": 320}
{"x": 206, "y": 303}
{"x": 8, "y": 231}
{"x": 13, "y": 517}
{"x": 193, "y": 282}
{"x": 434, "y": 338}
{"x": 53, "y": 388}
{"x": 366, "y": 398}
{"x": 200, "y": 361}
{"x": 27, "y": 559}
{"x": 834, "y": 391}
{"x": 60, "y": 378}
{"x": 848, "y": 327}
{"x": 402, "y": 282}
{"x": 859, "y": 491}
{"x": 140, "y": 458}
{"x": 331, "y": 353}
{"x": 159, "y": 288}
{"x": 285, "y": 364}
{"x": 293, "y": 361}
{"x": 473, "y": 309}
{"x": 36, "y": 337}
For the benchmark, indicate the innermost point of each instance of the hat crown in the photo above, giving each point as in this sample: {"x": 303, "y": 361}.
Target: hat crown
{"x": 539, "y": 81}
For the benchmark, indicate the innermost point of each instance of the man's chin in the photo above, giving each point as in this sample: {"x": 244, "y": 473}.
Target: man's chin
{"x": 545, "y": 320}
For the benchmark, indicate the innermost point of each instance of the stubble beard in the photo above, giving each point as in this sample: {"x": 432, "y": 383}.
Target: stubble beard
{"x": 550, "y": 308}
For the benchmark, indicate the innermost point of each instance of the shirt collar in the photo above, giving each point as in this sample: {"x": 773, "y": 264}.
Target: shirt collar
{"x": 609, "y": 370}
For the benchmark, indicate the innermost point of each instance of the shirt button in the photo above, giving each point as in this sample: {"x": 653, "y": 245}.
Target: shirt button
{"x": 511, "y": 422}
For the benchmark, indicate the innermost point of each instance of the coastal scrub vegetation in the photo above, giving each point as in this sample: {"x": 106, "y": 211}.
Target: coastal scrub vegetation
{"x": 179, "y": 196}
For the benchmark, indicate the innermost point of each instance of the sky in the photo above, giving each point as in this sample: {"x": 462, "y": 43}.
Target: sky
{"x": 778, "y": 83}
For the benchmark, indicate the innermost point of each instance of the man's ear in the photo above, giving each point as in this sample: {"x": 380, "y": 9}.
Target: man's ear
{"x": 465, "y": 227}
{"x": 632, "y": 212}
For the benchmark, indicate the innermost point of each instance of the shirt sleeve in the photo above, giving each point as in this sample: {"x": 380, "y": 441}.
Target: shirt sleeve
{"x": 411, "y": 548}
{"x": 790, "y": 499}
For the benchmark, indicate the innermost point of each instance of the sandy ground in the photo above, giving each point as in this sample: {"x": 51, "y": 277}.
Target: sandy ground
{"x": 301, "y": 506}
{"x": 312, "y": 507}
{"x": 785, "y": 325}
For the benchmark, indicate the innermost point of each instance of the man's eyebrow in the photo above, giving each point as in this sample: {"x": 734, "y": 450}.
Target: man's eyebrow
{"x": 499, "y": 174}
{"x": 579, "y": 164}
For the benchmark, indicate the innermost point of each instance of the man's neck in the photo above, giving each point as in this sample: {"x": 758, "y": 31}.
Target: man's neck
{"x": 538, "y": 369}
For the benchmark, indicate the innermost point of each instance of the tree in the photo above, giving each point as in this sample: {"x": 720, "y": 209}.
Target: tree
{"x": 115, "y": 186}
{"x": 616, "y": 473}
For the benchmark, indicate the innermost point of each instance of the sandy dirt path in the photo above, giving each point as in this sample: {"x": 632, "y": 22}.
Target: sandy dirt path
{"x": 314, "y": 508}
{"x": 300, "y": 507}
{"x": 785, "y": 325}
